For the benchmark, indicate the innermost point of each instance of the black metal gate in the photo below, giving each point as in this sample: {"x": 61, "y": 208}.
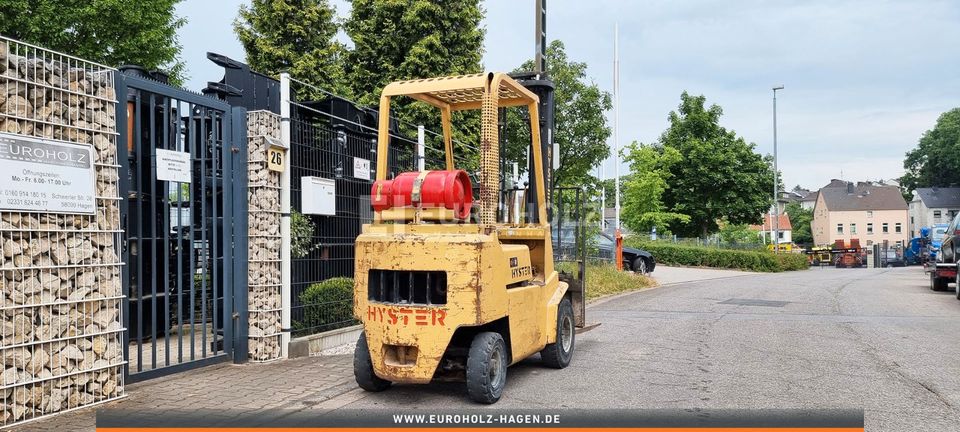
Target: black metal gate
{"x": 183, "y": 177}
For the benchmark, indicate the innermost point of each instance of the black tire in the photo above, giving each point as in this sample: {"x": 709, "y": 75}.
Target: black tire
{"x": 957, "y": 280}
{"x": 937, "y": 283}
{"x": 558, "y": 354}
{"x": 639, "y": 265}
{"x": 487, "y": 368}
{"x": 363, "y": 368}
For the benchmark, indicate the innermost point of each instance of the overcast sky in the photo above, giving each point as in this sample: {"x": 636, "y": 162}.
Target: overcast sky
{"x": 864, "y": 79}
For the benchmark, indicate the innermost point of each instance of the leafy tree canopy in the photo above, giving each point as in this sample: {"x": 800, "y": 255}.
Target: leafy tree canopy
{"x": 935, "y": 160}
{"x": 643, "y": 207}
{"x": 294, "y": 36}
{"x": 581, "y": 124}
{"x": 407, "y": 39}
{"x": 800, "y": 220}
{"x": 714, "y": 174}
{"x": 111, "y": 32}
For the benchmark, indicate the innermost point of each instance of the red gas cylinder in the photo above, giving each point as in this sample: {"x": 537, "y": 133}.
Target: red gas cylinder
{"x": 426, "y": 189}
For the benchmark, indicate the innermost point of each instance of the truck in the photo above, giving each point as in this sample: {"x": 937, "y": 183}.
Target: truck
{"x": 847, "y": 254}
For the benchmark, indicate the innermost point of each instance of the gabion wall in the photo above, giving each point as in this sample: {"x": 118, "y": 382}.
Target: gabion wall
{"x": 62, "y": 332}
{"x": 263, "y": 194}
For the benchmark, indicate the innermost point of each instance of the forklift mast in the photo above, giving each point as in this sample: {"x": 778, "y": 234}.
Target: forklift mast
{"x": 539, "y": 82}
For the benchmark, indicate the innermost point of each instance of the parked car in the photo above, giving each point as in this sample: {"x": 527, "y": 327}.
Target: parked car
{"x": 637, "y": 260}
{"x": 949, "y": 242}
{"x": 892, "y": 259}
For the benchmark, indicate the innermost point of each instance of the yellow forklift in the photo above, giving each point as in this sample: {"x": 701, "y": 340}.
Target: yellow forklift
{"x": 445, "y": 290}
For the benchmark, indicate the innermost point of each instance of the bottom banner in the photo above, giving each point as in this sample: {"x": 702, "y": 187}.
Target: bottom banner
{"x": 117, "y": 420}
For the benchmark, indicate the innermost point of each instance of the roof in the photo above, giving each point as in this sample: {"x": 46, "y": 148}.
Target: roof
{"x": 783, "y": 223}
{"x": 939, "y": 197}
{"x": 862, "y": 196}
{"x": 812, "y": 196}
{"x": 836, "y": 183}
{"x": 462, "y": 92}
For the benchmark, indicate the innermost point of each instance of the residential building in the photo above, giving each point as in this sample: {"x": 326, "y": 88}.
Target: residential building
{"x": 767, "y": 228}
{"x": 931, "y": 206}
{"x": 809, "y": 200}
{"x": 866, "y": 211}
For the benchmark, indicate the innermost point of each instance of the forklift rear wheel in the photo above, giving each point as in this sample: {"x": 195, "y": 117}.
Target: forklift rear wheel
{"x": 363, "y": 368}
{"x": 487, "y": 367}
{"x": 558, "y": 354}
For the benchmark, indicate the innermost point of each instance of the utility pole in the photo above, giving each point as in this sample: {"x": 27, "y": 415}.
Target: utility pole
{"x": 776, "y": 177}
{"x": 616, "y": 123}
{"x": 540, "y": 62}
{"x": 603, "y": 197}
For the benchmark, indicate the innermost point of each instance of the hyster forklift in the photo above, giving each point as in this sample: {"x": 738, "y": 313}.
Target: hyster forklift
{"x": 448, "y": 293}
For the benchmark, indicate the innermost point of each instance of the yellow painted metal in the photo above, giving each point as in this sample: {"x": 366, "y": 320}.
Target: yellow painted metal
{"x": 495, "y": 272}
{"x": 407, "y": 214}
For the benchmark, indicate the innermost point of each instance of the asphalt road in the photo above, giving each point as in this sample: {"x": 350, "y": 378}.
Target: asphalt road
{"x": 872, "y": 339}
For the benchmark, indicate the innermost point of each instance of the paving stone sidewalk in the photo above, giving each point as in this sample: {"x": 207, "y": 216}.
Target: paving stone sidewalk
{"x": 292, "y": 385}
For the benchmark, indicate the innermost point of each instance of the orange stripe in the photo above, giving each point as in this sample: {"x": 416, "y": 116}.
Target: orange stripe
{"x": 463, "y": 429}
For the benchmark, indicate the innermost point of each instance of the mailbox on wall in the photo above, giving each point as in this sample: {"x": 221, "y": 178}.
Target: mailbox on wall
{"x": 319, "y": 196}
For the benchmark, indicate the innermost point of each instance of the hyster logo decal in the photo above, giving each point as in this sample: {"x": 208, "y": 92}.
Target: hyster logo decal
{"x": 520, "y": 272}
{"x": 421, "y": 317}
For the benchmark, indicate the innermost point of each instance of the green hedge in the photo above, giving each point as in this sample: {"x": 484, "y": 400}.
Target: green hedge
{"x": 325, "y": 306}
{"x": 760, "y": 261}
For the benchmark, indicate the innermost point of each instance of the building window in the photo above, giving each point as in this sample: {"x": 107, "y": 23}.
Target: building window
{"x": 870, "y": 228}
{"x": 869, "y": 214}
{"x": 911, "y": 220}
{"x": 936, "y": 214}
{"x": 886, "y": 227}
{"x": 839, "y": 228}
{"x": 897, "y": 228}
{"x": 780, "y": 235}
{"x": 869, "y": 242}
{"x": 853, "y": 228}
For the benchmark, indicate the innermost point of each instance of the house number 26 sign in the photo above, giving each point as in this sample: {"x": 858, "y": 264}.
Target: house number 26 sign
{"x": 276, "y": 155}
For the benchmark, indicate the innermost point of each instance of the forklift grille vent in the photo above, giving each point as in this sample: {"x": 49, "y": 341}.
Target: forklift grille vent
{"x": 407, "y": 287}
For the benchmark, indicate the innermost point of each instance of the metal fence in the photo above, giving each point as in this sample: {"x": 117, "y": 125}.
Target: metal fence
{"x": 714, "y": 242}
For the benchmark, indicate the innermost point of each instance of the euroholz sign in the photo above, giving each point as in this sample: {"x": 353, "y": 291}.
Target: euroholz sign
{"x": 42, "y": 175}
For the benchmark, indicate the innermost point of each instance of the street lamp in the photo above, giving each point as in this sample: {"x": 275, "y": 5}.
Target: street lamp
{"x": 776, "y": 207}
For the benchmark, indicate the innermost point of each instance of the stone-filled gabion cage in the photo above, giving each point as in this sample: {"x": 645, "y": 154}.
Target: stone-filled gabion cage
{"x": 62, "y": 333}
{"x": 263, "y": 198}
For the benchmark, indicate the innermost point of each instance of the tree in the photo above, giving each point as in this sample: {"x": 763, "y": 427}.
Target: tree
{"x": 407, "y": 39}
{"x": 738, "y": 234}
{"x": 294, "y": 36}
{"x": 643, "y": 191}
{"x": 581, "y": 124}
{"x": 111, "y": 32}
{"x": 934, "y": 162}
{"x": 718, "y": 174}
{"x": 800, "y": 220}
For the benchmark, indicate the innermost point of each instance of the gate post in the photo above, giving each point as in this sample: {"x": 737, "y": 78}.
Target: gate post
{"x": 238, "y": 277}
{"x": 285, "y": 217}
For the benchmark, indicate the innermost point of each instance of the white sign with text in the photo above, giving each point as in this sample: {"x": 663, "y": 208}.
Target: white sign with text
{"x": 361, "y": 168}
{"x": 41, "y": 175}
{"x": 173, "y": 166}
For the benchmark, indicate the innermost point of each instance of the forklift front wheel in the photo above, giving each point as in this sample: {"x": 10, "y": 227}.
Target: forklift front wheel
{"x": 558, "y": 354}
{"x": 487, "y": 367}
{"x": 363, "y": 368}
